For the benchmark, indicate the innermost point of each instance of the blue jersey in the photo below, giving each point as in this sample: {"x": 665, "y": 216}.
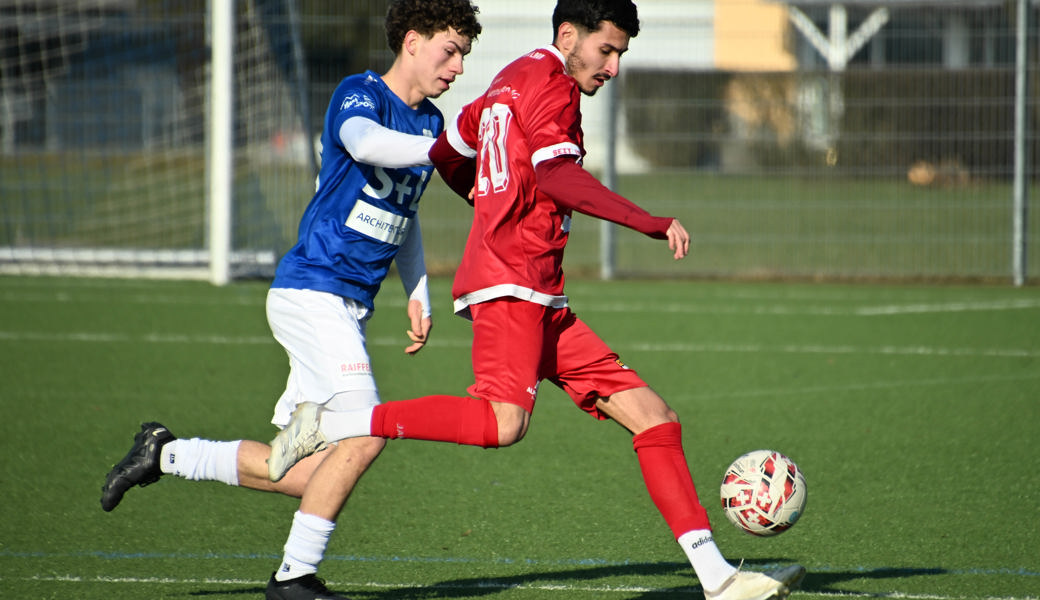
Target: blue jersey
{"x": 360, "y": 214}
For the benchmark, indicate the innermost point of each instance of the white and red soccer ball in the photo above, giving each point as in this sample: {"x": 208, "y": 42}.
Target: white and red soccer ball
{"x": 763, "y": 493}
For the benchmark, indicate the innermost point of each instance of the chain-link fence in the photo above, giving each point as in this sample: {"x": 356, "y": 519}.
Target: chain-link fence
{"x": 860, "y": 140}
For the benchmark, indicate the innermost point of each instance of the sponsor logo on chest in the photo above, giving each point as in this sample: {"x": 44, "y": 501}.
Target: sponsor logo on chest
{"x": 378, "y": 224}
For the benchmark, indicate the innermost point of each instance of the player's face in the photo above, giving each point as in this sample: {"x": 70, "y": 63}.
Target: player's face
{"x": 439, "y": 60}
{"x": 596, "y": 56}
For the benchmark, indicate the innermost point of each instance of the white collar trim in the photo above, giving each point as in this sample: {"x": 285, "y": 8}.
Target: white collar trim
{"x": 556, "y": 52}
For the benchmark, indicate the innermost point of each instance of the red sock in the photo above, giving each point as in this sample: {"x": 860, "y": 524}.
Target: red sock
{"x": 667, "y": 478}
{"x": 460, "y": 419}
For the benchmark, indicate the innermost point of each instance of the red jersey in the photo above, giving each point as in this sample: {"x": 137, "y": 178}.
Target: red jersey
{"x": 531, "y": 114}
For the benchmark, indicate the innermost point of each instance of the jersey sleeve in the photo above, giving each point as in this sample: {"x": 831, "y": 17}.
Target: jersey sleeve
{"x": 463, "y": 131}
{"x": 552, "y": 121}
{"x": 412, "y": 268}
{"x": 573, "y": 187}
{"x": 349, "y": 101}
{"x": 455, "y": 168}
{"x": 371, "y": 143}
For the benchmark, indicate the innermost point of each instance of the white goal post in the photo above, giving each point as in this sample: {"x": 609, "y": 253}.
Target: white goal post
{"x": 220, "y": 147}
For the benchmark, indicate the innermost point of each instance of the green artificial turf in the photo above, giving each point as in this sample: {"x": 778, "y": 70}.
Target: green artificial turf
{"x": 914, "y": 412}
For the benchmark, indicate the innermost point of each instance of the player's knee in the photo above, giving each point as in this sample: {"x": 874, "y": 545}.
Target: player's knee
{"x": 638, "y": 409}
{"x": 509, "y": 434}
{"x": 655, "y": 409}
{"x": 512, "y": 423}
{"x": 363, "y": 450}
{"x": 368, "y": 448}
{"x": 666, "y": 416}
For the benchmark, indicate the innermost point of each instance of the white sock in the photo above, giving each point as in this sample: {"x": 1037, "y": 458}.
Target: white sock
{"x": 712, "y": 569}
{"x": 199, "y": 459}
{"x": 305, "y": 547}
{"x": 336, "y": 426}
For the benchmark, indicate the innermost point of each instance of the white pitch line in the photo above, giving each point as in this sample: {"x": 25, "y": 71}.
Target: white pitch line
{"x": 862, "y": 387}
{"x": 154, "y": 338}
{"x": 808, "y": 309}
{"x": 949, "y": 307}
{"x": 905, "y": 596}
{"x": 148, "y": 299}
{"x": 783, "y": 305}
{"x": 490, "y": 584}
{"x": 707, "y": 347}
{"x": 814, "y": 349}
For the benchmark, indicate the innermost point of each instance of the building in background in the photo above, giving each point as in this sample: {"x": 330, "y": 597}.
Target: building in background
{"x": 752, "y": 35}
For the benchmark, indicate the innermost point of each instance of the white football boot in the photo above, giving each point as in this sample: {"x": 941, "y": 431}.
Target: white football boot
{"x": 745, "y": 585}
{"x": 297, "y": 441}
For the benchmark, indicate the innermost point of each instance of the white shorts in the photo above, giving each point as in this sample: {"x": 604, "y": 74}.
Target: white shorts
{"x": 324, "y": 336}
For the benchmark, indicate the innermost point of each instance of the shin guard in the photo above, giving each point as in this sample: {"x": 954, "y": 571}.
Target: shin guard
{"x": 667, "y": 478}
{"x": 459, "y": 419}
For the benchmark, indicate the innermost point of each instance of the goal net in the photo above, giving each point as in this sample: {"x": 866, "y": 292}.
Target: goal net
{"x": 104, "y": 124}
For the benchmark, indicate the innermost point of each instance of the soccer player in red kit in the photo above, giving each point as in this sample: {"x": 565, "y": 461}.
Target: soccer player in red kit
{"x": 516, "y": 153}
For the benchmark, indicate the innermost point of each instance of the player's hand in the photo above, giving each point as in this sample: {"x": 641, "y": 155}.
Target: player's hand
{"x": 421, "y": 326}
{"x": 678, "y": 239}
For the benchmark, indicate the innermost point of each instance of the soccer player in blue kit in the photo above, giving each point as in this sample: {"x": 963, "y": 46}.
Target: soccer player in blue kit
{"x": 363, "y": 217}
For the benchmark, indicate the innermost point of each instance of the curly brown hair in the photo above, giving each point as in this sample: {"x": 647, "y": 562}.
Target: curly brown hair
{"x": 428, "y": 17}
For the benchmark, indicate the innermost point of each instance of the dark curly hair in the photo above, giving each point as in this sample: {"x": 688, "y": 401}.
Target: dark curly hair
{"x": 588, "y": 14}
{"x": 428, "y": 17}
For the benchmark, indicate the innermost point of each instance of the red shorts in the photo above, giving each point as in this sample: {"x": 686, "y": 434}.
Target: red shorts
{"x": 516, "y": 344}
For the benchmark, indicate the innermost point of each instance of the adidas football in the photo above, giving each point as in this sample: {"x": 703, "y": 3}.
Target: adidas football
{"x": 763, "y": 493}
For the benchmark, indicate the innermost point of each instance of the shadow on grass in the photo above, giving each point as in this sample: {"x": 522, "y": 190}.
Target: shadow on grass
{"x": 254, "y": 592}
{"x": 566, "y": 579}
{"x": 585, "y": 580}
{"x": 823, "y": 582}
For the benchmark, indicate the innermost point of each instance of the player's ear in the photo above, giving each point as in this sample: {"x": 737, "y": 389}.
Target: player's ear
{"x": 411, "y": 42}
{"x": 566, "y": 37}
